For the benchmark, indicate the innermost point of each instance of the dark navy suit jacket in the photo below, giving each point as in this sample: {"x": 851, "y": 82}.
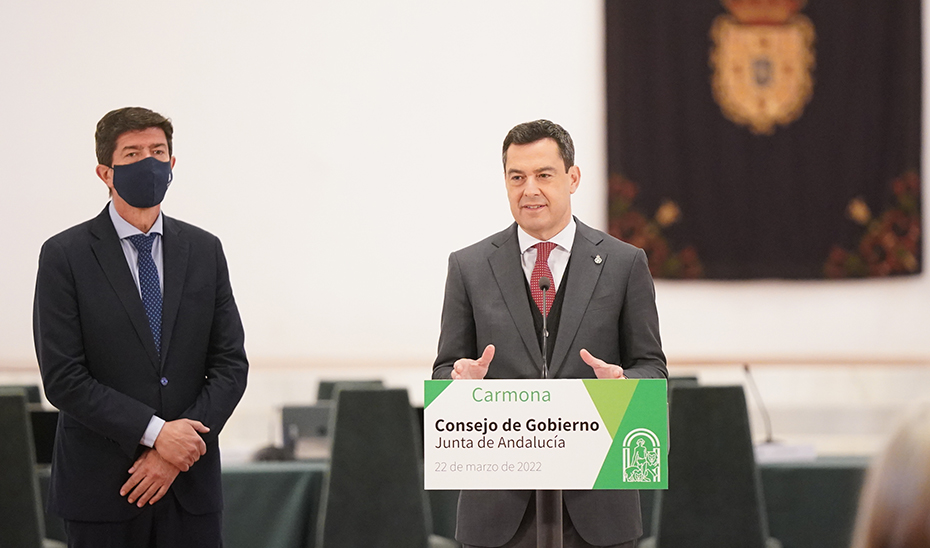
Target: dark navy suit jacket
{"x": 100, "y": 367}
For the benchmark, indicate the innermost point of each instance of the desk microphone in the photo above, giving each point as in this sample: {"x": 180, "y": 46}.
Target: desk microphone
{"x": 544, "y": 284}
{"x": 765, "y": 414}
{"x": 772, "y": 450}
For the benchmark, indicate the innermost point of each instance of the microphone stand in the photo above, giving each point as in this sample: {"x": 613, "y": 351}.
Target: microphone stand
{"x": 548, "y": 502}
{"x": 772, "y": 450}
{"x": 544, "y": 287}
{"x": 766, "y": 421}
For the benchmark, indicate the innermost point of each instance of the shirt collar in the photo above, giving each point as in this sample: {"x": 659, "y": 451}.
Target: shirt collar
{"x": 563, "y": 239}
{"x": 125, "y": 230}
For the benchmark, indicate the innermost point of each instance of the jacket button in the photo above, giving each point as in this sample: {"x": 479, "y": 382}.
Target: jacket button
{"x": 164, "y": 381}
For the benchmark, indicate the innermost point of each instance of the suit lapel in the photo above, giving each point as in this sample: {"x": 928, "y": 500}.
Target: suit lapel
{"x": 585, "y": 271}
{"x": 112, "y": 260}
{"x": 505, "y": 264}
{"x": 176, "y": 249}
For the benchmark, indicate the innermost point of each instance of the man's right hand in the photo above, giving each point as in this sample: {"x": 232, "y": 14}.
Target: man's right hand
{"x": 150, "y": 478}
{"x": 180, "y": 444}
{"x": 465, "y": 368}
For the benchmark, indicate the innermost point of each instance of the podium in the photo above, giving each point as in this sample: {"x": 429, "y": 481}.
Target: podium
{"x": 546, "y": 436}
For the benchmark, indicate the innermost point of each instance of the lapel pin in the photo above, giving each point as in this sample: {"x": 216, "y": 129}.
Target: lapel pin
{"x": 598, "y": 259}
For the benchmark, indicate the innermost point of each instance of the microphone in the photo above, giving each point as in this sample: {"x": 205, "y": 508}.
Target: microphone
{"x": 765, "y": 414}
{"x": 548, "y": 503}
{"x": 544, "y": 284}
{"x": 772, "y": 450}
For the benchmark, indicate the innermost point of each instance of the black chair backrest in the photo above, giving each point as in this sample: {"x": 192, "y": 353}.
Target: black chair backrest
{"x": 373, "y": 494}
{"x": 714, "y": 497}
{"x": 32, "y": 391}
{"x": 21, "y": 524}
{"x": 682, "y": 381}
{"x": 327, "y": 389}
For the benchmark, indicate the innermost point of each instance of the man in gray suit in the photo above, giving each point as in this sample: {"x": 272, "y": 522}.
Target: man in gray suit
{"x": 602, "y": 322}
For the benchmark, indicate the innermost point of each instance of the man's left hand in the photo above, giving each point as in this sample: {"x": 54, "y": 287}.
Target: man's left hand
{"x": 602, "y": 369}
{"x": 151, "y": 476}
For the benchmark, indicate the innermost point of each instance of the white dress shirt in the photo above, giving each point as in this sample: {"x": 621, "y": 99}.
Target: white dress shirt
{"x": 124, "y": 230}
{"x": 558, "y": 258}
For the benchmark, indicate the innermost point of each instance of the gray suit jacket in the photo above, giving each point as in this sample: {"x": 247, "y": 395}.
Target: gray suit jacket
{"x": 608, "y": 308}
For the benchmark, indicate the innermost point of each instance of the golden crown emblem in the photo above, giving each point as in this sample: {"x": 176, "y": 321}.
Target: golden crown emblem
{"x": 763, "y": 12}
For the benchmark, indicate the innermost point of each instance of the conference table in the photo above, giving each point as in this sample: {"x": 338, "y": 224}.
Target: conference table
{"x": 276, "y": 504}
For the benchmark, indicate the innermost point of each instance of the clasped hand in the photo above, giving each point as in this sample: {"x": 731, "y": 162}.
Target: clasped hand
{"x": 177, "y": 447}
{"x": 149, "y": 480}
{"x": 180, "y": 444}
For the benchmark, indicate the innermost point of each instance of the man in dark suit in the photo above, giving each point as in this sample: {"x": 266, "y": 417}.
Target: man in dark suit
{"x": 141, "y": 349}
{"x": 602, "y": 322}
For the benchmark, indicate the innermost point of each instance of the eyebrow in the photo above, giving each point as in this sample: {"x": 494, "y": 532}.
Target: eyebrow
{"x": 537, "y": 170}
{"x": 140, "y": 147}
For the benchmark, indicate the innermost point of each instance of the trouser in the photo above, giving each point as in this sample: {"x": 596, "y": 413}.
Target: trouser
{"x": 525, "y": 537}
{"x": 161, "y": 525}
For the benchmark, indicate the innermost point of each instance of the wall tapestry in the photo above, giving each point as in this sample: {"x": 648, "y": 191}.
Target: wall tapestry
{"x": 766, "y": 138}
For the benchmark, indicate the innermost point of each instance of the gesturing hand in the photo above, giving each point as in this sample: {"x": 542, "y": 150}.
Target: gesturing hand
{"x": 465, "y": 368}
{"x": 602, "y": 369}
{"x": 150, "y": 478}
{"x": 180, "y": 444}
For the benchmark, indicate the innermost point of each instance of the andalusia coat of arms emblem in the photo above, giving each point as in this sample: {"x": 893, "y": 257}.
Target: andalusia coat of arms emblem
{"x": 762, "y": 57}
{"x": 642, "y": 457}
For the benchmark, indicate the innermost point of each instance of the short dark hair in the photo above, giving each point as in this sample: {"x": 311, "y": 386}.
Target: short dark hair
{"x": 119, "y": 121}
{"x": 530, "y": 132}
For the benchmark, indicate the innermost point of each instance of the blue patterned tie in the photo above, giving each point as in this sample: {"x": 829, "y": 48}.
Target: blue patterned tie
{"x": 148, "y": 284}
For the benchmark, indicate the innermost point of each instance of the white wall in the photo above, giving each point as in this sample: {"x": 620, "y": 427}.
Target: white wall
{"x": 341, "y": 150}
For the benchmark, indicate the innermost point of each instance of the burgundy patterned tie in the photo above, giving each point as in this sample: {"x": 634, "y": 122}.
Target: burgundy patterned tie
{"x": 541, "y": 269}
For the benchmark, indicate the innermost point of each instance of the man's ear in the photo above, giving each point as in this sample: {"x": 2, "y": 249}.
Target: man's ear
{"x": 574, "y": 174}
{"x": 106, "y": 174}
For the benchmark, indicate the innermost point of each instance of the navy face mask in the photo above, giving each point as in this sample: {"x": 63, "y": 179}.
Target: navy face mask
{"x": 144, "y": 183}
